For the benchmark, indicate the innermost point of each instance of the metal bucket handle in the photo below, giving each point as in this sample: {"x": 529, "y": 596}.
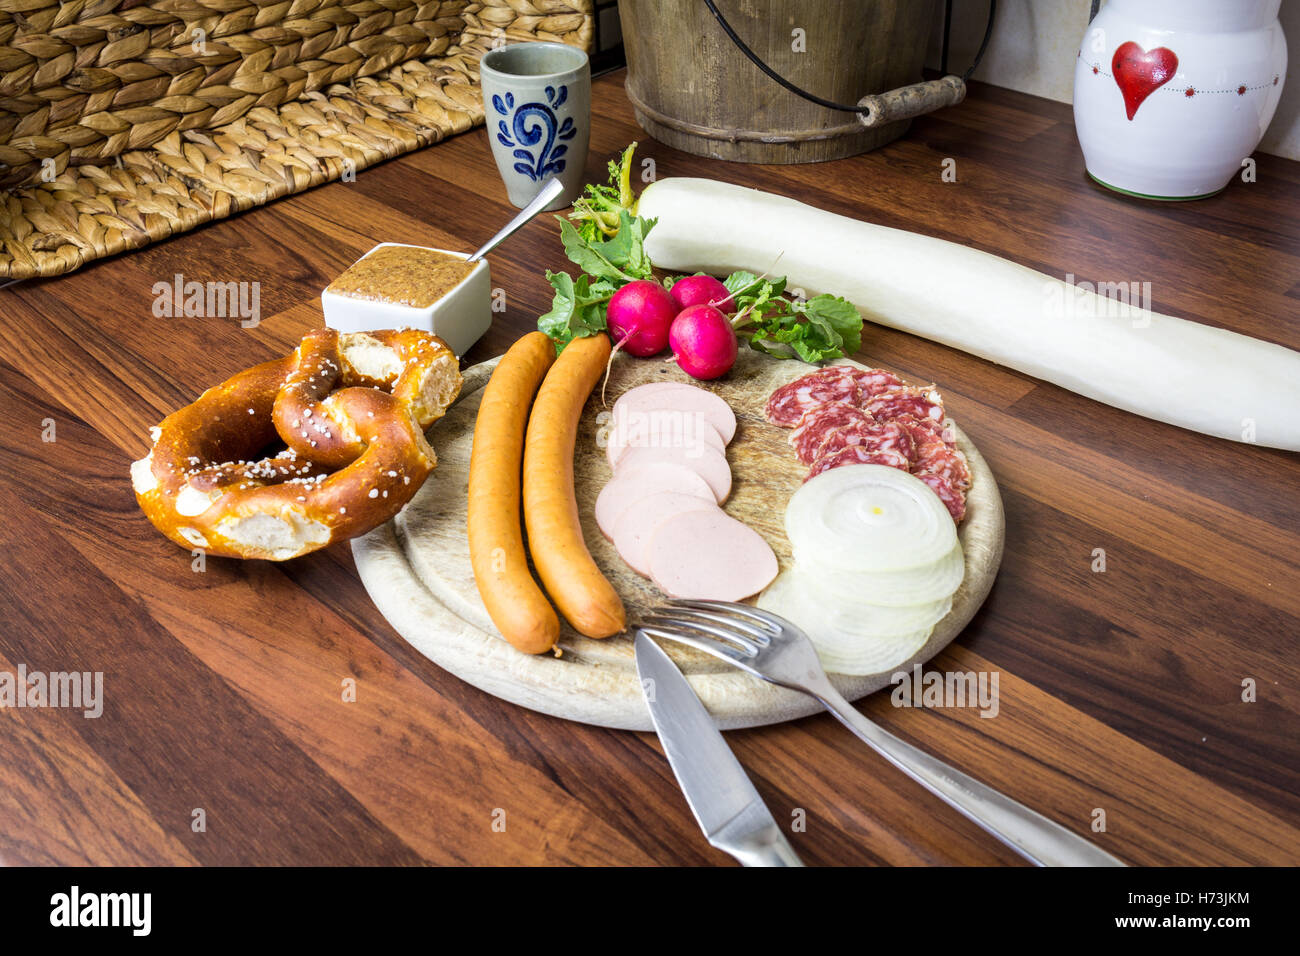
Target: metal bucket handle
{"x": 877, "y": 109}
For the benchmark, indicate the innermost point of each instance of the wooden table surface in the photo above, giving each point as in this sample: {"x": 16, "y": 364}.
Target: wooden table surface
{"x": 1120, "y": 690}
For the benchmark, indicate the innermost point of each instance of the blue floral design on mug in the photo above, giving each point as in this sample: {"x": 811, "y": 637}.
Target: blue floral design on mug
{"x": 530, "y": 124}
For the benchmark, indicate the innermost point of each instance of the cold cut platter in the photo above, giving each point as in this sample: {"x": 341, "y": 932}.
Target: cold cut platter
{"x": 418, "y": 571}
{"x": 517, "y": 523}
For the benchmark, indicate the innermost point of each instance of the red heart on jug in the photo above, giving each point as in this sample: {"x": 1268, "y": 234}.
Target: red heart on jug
{"x": 1140, "y": 72}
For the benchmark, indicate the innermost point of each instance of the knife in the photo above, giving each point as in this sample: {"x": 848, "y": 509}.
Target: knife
{"x": 726, "y": 805}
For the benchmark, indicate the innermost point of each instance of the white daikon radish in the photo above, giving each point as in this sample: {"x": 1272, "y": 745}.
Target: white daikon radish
{"x": 870, "y": 518}
{"x": 840, "y": 652}
{"x": 1184, "y": 373}
{"x": 887, "y": 588}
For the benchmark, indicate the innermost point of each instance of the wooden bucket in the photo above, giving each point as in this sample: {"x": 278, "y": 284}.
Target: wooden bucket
{"x": 694, "y": 90}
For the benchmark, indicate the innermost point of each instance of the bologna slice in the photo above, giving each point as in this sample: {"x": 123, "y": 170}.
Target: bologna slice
{"x": 709, "y": 555}
{"x": 661, "y": 428}
{"x": 632, "y": 486}
{"x": 678, "y": 397}
{"x": 635, "y": 528}
{"x": 708, "y": 463}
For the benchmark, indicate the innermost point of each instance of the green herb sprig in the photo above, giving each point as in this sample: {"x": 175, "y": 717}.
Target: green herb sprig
{"x": 608, "y": 246}
{"x": 605, "y": 238}
{"x": 816, "y": 330}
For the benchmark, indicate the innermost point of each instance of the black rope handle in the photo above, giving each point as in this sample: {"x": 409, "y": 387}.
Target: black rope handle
{"x": 829, "y": 104}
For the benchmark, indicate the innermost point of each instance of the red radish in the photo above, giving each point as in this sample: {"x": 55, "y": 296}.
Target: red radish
{"x": 702, "y": 290}
{"x": 703, "y": 342}
{"x": 639, "y": 315}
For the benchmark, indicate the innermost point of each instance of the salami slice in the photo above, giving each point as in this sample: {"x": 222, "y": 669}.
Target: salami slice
{"x": 842, "y": 415}
{"x": 941, "y": 430}
{"x": 787, "y": 404}
{"x": 895, "y": 401}
{"x": 819, "y": 422}
{"x": 857, "y": 455}
{"x": 952, "y": 499}
{"x": 871, "y": 435}
{"x": 949, "y": 464}
{"x": 926, "y": 434}
{"x": 873, "y": 380}
{"x": 935, "y": 456}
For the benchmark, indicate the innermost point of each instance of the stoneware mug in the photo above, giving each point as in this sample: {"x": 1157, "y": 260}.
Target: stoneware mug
{"x": 537, "y": 102}
{"x": 1172, "y": 96}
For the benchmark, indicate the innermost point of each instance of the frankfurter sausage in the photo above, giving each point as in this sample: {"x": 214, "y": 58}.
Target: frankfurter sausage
{"x": 564, "y": 564}
{"x": 515, "y": 603}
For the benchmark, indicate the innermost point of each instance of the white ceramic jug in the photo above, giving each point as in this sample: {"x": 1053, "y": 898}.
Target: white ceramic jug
{"x": 1171, "y": 96}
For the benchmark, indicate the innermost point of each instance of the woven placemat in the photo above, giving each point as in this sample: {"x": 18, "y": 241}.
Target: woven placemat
{"x": 192, "y": 176}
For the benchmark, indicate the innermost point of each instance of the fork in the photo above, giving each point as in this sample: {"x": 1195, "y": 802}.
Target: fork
{"x": 771, "y": 648}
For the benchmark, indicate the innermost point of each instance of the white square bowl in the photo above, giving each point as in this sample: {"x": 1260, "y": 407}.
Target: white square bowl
{"x": 459, "y": 318}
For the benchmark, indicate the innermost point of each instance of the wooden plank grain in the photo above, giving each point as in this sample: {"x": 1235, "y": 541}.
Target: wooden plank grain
{"x": 1051, "y": 156}
{"x": 232, "y": 615}
{"x": 44, "y": 756}
{"x": 1119, "y": 690}
{"x": 1157, "y": 812}
{"x": 207, "y": 750}
{"x": 1204, "y": 536}
{"x": 1146, "y": 650}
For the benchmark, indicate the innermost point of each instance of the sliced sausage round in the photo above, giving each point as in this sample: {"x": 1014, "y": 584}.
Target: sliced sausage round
{"x": 709, "y": 555}
{"x": 708, "y": 463}
{"x": 632, "y": 486}
{"x": 817, "y": 424}
{"x": 661, "y": 428}
{"x": 678, "y": 397}
{"x": 835, "y": 383}
{"x": 858, "y": 455}
{"x": 636, "y": 527}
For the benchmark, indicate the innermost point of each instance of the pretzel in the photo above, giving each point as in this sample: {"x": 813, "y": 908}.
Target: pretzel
{"x": 350, "y": 409}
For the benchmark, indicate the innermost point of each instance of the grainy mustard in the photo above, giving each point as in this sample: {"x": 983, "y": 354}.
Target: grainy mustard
{"x": 404, "y": 275}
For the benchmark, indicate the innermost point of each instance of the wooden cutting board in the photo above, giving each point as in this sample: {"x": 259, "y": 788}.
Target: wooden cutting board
{"x": 417, "y": 569}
